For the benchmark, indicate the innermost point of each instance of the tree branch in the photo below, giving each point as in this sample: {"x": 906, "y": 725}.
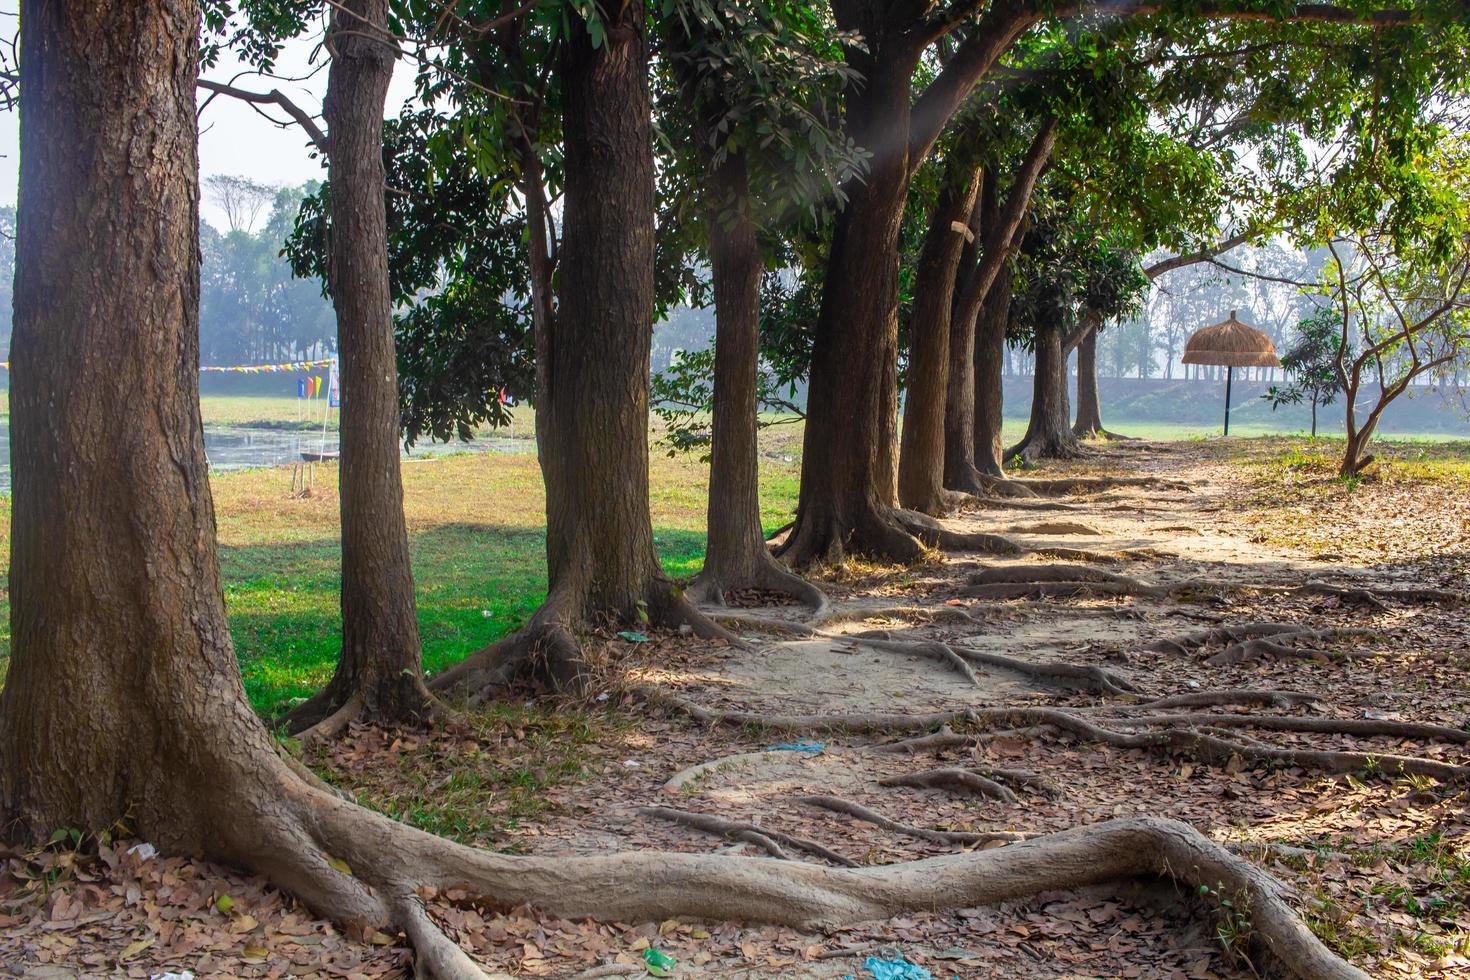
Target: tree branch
{"x": 274, "y": 97}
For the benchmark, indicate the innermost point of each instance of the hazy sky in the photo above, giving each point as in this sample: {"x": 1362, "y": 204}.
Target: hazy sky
{"x": 233, "y": 138}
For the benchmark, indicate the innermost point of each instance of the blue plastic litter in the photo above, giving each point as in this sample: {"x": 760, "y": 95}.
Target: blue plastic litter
{"x": 899, "y": 969}
{"x": 797, "y": 747}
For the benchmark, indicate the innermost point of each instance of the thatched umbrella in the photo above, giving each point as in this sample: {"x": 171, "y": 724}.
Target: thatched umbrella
{"x": 1230, "y": 344}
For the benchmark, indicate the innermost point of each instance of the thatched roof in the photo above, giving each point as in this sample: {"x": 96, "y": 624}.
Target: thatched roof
{"x": 1231, "y": 344}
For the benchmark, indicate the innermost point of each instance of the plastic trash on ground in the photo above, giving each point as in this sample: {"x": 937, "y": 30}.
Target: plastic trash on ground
{"x": 803, "y": 746}
{"x": 899, "y": 969}
{"x": 658, "y": 964}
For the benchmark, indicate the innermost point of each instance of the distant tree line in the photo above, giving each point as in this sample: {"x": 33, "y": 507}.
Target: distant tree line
{"x": 251, "y": 309}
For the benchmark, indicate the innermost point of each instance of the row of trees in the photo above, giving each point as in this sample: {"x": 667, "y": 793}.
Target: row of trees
{"x": 997, "y": 142}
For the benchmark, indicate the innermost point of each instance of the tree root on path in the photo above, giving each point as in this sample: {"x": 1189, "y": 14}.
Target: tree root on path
{"x": 391, "y": 862}
{"x": 935, "y": 535}
{"x": 988, "y": 781}
{"x": 859, "y": 812}
{"x": 1357, "y": 727}
{"x": 1068, "y": 581}
{"x": 1204, "y": 699}
{"x": 1063, "y": 486}
{"x": 684, "y": 777}
{"x": 1203, "y": 746}
{"x": 763, "y": 837}
{"x": 1077, "y": 676}
{"x": 1254, "y": 641}
{"x": 955, "y": 779}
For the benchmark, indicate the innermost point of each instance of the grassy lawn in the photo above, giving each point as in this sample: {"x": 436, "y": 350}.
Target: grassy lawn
{"x": 477, "y": 529}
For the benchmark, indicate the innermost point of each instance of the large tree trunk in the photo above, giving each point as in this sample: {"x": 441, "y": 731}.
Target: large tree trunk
{"x": 990, "y": 347}
{"x": 848, "y": 494}
{"x": 921, "y": 460}
{"x": 1089, "y": 410}
{"x": 380, "y": 674}
{"x": 1049, "y": 434}
{"x": 592, "y": 405}
{"x": 736, "y": 556}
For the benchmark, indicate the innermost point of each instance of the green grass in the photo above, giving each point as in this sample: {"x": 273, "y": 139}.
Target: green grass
{"x": 477, "y": 533}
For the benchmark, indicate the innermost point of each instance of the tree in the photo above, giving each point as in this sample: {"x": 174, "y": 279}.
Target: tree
{"x": 241, "y": 198}
{"x": 1311, "y": 365}
{"x": 379, "y": 674}
{"x": 1074, "y": 279}
{"x": 753, "y": 79}
{"x": 1402, "y": 314}
{"x": 593, "y": 373}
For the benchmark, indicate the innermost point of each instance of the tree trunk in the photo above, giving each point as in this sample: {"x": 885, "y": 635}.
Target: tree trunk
{"x": 380, "y": 673}
{"x": 848, "y": 494}
{"x": 1314, "y": 417}
{"x": 592, "y": 408}
{"x": 990, "y": 345}
{"x": 960, "y": 473}
{"x": 124, "y": 696}
{"x": 922, "y": 456}
{"x": 736, "y": 556}
{"x": 1089, "y": 410}
{"x": 1049, "y": 434}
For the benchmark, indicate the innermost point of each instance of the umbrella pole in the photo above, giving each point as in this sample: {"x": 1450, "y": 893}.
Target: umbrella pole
{"x": 1229, "y": 376}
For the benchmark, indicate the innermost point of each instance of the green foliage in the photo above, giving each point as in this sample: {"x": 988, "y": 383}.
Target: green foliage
{"x": 1068, "y": 269}
{"x": 683, "y": 396}
{"x": 1311, "y": 363}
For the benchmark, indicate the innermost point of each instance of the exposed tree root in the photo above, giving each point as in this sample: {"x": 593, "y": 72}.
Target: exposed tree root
{"x": 1253, "y": 641}
{"x": 547, "y": 650}
{"x": 1100, "y": 484}
{"x": 684, "y": 777}
{"x": 1079, "y": 676}
{"x": 954, "y": 779}
{"x": 390, "y": 860}
{"x": 1013, "y": 503}
{"x": 862, "y": 722}
{"x": 1206, "y": 747}
{"x": 1087, "y": 677}
{"x": 945, "y": 738}
{"x": 1067, "y": 581}
{"x": 1187, "y": 643}
{"x": 934, "y": 650}
{"x": 332, "y": 725}
{"x": 1358, "y": 727}
{"x": 1205, "y": 699}
{"x": 1214, "y": 749}
{"x": 769, "y": 575}
{"x": 935, "y": 535}
{"x": 1376, "y": 597}
{"x": 327, "y": 713}
{"x": 1279, "y": 647}
{"x": 859, "y": 812}
{"x": 763, "y": 837}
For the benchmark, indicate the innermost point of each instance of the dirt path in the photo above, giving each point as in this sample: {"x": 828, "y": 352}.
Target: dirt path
{"x": 1376, "y": 858}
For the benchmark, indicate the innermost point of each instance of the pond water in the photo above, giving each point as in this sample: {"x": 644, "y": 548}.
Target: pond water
{"x": 230, "y": 448}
